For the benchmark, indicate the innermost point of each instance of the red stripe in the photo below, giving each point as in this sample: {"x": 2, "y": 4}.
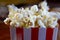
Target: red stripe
{"x": 19, "y": 33}
{"x": 49, "y": 33}
{"x": 34, "y": 34}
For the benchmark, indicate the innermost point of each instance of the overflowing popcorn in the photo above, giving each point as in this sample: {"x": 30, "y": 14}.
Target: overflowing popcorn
{"x": 31, "y": 17}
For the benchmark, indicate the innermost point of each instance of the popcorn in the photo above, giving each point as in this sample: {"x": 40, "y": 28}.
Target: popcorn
{"x": 54, "y": 24}
{"x": 12, "y": 11}
{"x": 7, "y": 21}
{"x": 44, "y": 5}
{"x": 12, "y": 23}
{"x": 12, "y": 8}
{"x": 18, "y": 16}
{"x": 41, "y": 24}
{"x": 56, "y": 14}
{"x": 27, "y": 8}
{"x": 34, "y": 8}
{"x": 32, "y": 17}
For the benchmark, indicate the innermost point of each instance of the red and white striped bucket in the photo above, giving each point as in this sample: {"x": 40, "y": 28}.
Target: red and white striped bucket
{"x": 33, "y": 33}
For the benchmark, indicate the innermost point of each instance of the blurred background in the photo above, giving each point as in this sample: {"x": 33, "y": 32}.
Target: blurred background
{"x": 4, "y": 29}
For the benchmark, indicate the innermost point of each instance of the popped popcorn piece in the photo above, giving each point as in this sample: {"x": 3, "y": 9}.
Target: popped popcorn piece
{"x": 7, "y": 21}
{"x": 33, "y": 19}
{"x": 34, "y": 8}
{"x": 56, "y": 14}
{"x": 44, "y": 5}
{"x": 54, "y": 24}
{"x": 27, "y": 8}
{"x": 41, "y": 24}
{"x": 14, "y": 24}
{"x": 12, "y": 11}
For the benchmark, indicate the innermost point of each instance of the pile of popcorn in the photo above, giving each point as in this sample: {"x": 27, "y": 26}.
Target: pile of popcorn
{"x": 31, "y": 16}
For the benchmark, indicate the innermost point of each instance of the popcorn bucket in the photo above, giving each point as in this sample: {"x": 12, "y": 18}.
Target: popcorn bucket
{"x": 33, "y": 33}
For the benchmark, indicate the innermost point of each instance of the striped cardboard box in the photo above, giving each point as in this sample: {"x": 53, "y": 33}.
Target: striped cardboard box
{"x": 33, "y": 33}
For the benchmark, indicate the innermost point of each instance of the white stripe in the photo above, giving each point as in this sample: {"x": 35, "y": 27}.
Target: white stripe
{"x": 13, "y": 33}
{"x": 55, "y": 34}
{"x": 27, "y": 34}
{"x": 42, "y": 34}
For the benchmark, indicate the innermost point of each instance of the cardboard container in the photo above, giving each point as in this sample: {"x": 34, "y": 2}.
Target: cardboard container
{"x": 33, "y": 33}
